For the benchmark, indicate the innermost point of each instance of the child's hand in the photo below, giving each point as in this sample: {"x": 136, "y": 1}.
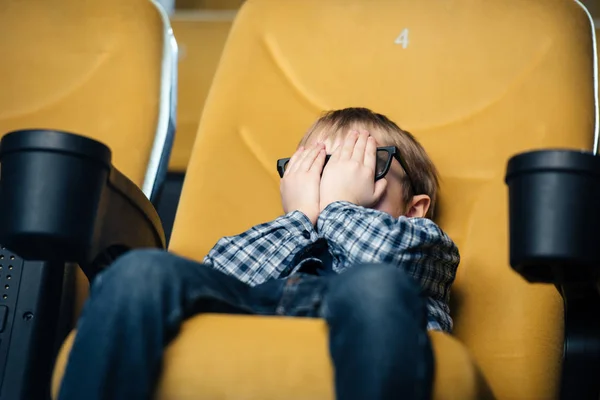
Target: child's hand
{"x": 350, "y": 173}
{"x": 300, "y": 183}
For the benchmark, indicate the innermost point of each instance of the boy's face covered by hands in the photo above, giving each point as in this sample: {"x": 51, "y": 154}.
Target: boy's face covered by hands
{"x": 348, "y": 176}
{"x": 300, "y": 184}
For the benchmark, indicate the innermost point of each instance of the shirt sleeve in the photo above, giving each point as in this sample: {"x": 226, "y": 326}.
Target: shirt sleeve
{"x": 263, "y": 251}
{"x": 417, "y": 245}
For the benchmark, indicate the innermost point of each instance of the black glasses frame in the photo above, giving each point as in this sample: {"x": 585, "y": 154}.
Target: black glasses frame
{"x": 392, "y": 152}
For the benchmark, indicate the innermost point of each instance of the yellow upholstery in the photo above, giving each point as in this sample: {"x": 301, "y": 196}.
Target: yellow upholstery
{"x": 218, "y": 336}
{"x": 209, "y": 4}
{"x": 476, "y": 81}
{"x": 201, "y": 36}
{"x": 83, "y": 67}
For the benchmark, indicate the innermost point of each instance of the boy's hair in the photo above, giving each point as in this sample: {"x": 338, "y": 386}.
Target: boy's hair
{"x": 422, "y": 171}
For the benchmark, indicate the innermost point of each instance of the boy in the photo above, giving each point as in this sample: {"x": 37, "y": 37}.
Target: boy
{"x": 356, "y": 247}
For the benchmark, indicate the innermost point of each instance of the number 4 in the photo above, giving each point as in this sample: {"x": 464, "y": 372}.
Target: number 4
{"x": 403, "y": 38}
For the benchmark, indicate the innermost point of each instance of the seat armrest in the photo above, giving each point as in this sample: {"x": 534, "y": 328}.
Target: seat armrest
{"x": 61, "y": 199}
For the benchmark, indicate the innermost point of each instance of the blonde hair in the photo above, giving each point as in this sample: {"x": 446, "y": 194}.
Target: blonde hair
{"x": 423, "y": 173}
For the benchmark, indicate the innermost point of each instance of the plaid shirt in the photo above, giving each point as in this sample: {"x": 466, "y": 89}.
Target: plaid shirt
{"x": 354, "y": 235}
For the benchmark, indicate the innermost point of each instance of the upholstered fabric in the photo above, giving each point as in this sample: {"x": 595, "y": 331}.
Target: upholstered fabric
{"x": 210, "y": 360}
{"x": 89, "y": 67}
{"x": 201, "y": 35}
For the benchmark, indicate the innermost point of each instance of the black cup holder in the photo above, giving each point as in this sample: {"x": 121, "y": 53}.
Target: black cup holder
{"x": 61, "y": 199}
{"x": 554, "y": 207}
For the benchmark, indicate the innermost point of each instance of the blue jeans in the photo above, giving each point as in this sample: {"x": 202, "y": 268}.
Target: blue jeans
{"x": 377, "y": 325}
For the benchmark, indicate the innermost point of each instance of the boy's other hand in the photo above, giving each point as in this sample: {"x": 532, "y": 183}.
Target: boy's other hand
{"x": 300, "y": 183}
{"x": 350, "y": 173}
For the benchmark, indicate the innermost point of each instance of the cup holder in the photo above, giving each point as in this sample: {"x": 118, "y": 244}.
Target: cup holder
{"x": 554, "y": 215}
{"x": 62, "y": 199}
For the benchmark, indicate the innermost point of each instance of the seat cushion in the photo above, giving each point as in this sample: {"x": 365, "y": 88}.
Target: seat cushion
{"x": 222, "y": 357}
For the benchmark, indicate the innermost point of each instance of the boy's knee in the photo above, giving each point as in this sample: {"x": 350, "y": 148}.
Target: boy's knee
{"x": 375, "y": 280}
{"x": 137, "y": 269}
{"x": 372, "y": 289}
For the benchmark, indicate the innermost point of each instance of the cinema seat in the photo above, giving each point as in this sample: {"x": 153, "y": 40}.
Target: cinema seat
{"x": 88, "y": 69}
{"x": 83, "y": 67}
{"x": 476, "y": 82}
{"x": 201, "y": 36}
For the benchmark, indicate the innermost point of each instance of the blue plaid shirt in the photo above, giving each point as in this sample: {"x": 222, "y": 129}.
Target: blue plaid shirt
{"x": 354, "y": 235}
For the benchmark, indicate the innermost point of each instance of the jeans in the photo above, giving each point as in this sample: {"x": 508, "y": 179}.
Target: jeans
{"x": 377, "y": 325}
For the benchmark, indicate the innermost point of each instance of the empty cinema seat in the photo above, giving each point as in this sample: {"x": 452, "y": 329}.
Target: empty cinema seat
{"x": 101, "y": 76}
{"x": 476, "y": 82}
{"x": 103, "y": 69}
{"x": 201, "y": 36}
{"x": 85, "y": 67}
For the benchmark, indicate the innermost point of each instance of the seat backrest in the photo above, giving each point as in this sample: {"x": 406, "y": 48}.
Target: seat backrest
{"x": 101, "y": 68}
{"x": 475, "y": 80}
{"x": 201, "y": 36}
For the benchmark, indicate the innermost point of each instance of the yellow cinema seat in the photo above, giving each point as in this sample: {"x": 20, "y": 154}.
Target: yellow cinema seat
{"x": 84, "y": 67}
{"x": 476, "y": 82}
{"x": 201, "y": 36}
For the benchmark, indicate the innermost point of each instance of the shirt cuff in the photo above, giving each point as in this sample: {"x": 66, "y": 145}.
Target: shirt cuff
{"x": 333, "y": 212}
{"x": 341, "y": 209}
{"x": 296, "y": 222}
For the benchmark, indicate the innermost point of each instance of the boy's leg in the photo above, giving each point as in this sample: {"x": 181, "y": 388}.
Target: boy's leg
{"x": 378, "y": 339}
{"x": 136, "y": 306}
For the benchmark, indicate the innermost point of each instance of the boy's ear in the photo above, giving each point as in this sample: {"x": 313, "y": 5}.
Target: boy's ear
{"x": 418, "y": 206}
